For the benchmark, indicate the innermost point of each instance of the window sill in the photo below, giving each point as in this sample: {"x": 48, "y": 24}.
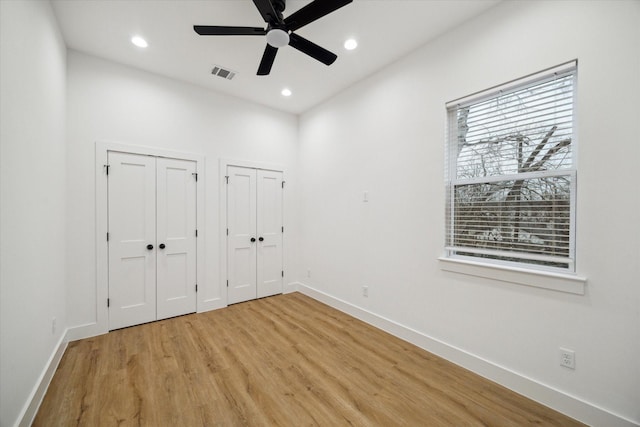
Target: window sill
{"x": 568, "y": 283}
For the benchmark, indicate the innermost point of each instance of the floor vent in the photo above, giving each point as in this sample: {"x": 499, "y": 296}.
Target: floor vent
{"x": 221, "y": 72}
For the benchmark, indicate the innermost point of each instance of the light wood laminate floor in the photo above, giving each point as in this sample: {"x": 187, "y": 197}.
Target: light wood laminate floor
{"x": 286, "y": 360}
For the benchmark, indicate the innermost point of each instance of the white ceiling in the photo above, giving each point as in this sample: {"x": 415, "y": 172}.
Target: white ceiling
{"x": 386, "y": 30}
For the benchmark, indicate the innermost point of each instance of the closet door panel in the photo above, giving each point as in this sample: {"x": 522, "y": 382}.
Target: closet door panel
{"x": 269, "y": 231}
{"x": 176, "y": 228}
{"x": 132, "y": 266}
{"x": 241, "y": 227}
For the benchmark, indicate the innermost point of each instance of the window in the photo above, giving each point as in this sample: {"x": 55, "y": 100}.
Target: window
{"x": 511, "y": 176}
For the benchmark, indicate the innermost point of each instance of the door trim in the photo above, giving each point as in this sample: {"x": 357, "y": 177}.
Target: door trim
{"x": 101, "y": 324}
{"x": 222, "y": 194}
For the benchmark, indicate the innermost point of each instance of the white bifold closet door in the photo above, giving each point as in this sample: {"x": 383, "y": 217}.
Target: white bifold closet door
{"x": 254, "y": 228}
{"x": 176, "y": 237}
{"x": 152, "y": 242}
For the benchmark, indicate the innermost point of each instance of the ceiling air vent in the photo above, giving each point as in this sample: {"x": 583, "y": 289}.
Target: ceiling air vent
{"x": 221, "y": 72}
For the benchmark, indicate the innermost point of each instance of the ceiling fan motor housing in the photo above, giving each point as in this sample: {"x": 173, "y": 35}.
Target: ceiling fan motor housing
{"x": 279, "y": 5}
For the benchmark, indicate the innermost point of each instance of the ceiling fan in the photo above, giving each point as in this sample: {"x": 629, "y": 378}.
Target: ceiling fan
{"x": 280, "y": 31}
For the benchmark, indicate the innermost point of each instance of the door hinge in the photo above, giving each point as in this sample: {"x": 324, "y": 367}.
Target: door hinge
{"x": 195, "y": 174}
{"x": 196, "y": 232}
{"x": 227, "y": 231}
{"x": 282, "y": 273}
{"x": 196, "y": 287}
{"x": 283, "y": 184}
{"x": 283, "y": 228}
{"x": 107, "y": 168}
{"x": 227, "y": 178}
{"x": 227, "y": 283}
{"x": 108, "y": 302}
{"x": 107, "y": 237}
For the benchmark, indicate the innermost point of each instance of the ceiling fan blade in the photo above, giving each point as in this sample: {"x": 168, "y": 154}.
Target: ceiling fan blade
{"x": 267, "y": 11}
{"x": 268, "y": 57}
{"x": 312, "y": 49}
{"x": 213, "y": 30}
{"x": 314, "y": 10}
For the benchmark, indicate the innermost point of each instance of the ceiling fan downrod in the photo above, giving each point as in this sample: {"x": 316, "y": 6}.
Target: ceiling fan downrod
{"x": 277, "y": 35}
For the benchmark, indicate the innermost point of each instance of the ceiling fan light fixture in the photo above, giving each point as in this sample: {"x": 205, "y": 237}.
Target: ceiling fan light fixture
{"x": 350, "y": 44}
{"x": 277, "y": 38}
{"x": 139, "y": 41}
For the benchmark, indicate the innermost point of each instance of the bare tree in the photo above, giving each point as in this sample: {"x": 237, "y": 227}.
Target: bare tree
{"x": 530, "y": 215}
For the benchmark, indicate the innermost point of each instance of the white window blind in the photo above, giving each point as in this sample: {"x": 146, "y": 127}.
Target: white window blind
{"x": 511, "y": 173}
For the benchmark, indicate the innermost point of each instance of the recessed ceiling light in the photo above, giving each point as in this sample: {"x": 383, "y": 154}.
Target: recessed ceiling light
{"x": 139, "y": 41}
{"x": 286, "y": 92}
{"x": 350, "y": 44}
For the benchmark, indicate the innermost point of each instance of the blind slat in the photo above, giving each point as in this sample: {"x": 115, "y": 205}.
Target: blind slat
{"x": 511, "y": 254}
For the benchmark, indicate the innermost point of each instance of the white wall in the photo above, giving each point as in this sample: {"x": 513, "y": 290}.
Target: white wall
{"x": 32, "y": 198}
{"x": 386, "y": 136}
{"x": 112, "y": 103}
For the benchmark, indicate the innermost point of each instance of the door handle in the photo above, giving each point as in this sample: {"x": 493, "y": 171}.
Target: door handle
{"x": 149, "y": 247}
{"x": 253, "y": 239}
{"x": 261, "y": 239}
{"x": 162, "y": 246}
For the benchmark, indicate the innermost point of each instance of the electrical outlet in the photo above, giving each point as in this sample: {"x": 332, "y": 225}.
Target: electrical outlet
{"x": 53, "y": 325}
{"x": 365, "y": 291}
{"x": 567, "y": 358}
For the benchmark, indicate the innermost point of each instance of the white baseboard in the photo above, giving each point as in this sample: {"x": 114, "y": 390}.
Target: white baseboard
{"x": 85, "y": 331}
{"x": 32, "y": 405}
{"x": 291, "y": 287}
{"x": 542, "y": 393}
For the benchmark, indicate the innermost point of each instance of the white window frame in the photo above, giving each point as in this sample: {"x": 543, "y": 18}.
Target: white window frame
{"x": 555, "y": 278}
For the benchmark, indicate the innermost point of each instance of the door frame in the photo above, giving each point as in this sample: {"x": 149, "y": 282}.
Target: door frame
{"x": 222, "y": 171}
{"x": 101, "y": 325}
